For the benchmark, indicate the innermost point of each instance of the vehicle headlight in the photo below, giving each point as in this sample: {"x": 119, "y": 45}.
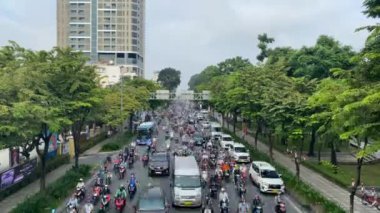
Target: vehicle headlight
{"x": 265, "y": 185}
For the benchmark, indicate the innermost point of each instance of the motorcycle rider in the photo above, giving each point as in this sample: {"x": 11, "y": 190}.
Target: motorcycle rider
{"x": 256, "y": 201}
{"x": 81, "y": 184}
{"x": 277, "y": 201}
{"x": 106, "y": 190}
{"x": 73, "y": 202}
{"x": 375, "y": 196}
{"x": 121, "y": 192}
{"x": 243, "y": 206}
{"x": 132, "y": 180}
{"x": 236, "y": 173}
{"x": 88, "y": 207}
{"x": 223, "y": 196}
{"x": 105, "y": 201}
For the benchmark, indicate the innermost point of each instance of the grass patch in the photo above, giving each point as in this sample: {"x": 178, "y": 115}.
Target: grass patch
{"x": 299, "y": 188}
{"x": 345, "y": 173}
{"x": 55, "y": 193}
{"x": 117, "y": 142}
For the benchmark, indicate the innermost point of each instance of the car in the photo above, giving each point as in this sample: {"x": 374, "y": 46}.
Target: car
{"x": 152, "y": 201}
{"x": 159, "y": 164}
{"x": 216, "y": 131}
{"x": 265, "y": 176}
{"x": 198, "y": 138}
{"x": 226, "y": 142}
{"x": 240, "y": 153}
{"x": 205, "y": 124}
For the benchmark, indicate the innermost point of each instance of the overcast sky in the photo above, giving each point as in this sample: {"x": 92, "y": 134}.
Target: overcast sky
{"x": 191, "y": 34}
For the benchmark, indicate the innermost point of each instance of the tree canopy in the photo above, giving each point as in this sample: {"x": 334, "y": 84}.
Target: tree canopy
{"x": 169, "y": 78}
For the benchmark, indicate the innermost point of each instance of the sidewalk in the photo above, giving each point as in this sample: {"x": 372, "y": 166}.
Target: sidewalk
{"x": 327, "y": 188}
{"x": 11, "y": 202}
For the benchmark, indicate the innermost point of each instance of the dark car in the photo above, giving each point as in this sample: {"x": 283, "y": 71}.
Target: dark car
{"x": 198, "y": 138}
{"x": 159, "y": 164}
{"x": 152, "y": 201}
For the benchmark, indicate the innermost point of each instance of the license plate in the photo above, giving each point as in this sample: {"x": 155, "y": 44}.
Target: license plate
{"x": 158, "y": 173}
{"x": 276, "y": 190}
{"x": 188, "y": 203}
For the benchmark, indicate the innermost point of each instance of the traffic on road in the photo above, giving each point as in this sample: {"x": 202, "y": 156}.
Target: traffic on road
{"x": 182, "y": 161}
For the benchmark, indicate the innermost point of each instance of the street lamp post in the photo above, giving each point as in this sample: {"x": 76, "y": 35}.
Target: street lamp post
{"x": 121, "y": 97}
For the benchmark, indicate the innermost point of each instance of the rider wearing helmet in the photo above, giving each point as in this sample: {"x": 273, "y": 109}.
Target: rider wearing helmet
{"x": 243, "y": 206}
{"x": 223, "y": 196}
{"x": 256, "y": 201}
{"x": 121, "y": 192}
{"x": 80, "y": 184}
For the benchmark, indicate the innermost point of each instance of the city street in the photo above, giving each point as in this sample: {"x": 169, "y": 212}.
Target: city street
{"x": 164, "y": 182}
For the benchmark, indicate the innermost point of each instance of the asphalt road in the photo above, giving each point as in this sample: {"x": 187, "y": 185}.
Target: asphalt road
{"x": 164, "y": 182}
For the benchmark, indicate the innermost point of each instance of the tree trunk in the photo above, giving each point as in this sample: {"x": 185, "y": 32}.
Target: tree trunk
{"x": 234, "y": 122}
{"x": 297, "y": 162}
{"x": 312, "y": 141}
{"x": 76, "y": 129}
{"x": 301, "y": 147}
{"x": 333, "y": 158}
{"x": 228, "y": 121}
{"x": 319, "y": 153}
{"x": 270, "y": 142}
{"x": 223, "y": 118}
{"x": 283, "y": 133}
{"x": 358, "y": 176}
{"x": 45, "y": 136}
{"x": 131, "y": 122}
{"x": 257, "y": 133}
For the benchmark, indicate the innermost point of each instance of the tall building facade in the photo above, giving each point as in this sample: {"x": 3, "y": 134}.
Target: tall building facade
{"x": 109, "y": 32}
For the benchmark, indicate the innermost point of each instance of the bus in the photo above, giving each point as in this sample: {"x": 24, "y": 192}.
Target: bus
{"x": 145, "y": 132}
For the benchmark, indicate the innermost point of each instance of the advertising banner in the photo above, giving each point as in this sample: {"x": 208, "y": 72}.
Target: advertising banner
{"x": 17, "y": 173}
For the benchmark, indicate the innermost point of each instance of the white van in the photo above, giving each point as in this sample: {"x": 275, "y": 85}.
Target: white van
{"x": 186, "y": 183}
{"x": 216, "y": 131}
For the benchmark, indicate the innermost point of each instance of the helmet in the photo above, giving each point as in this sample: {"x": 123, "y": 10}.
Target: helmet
{"x": 104, "y": 196}
{"x": 223, "y": 190}
{"x": 106, "y": 186}
{"x": 81, "y": 179}
{"x": 121, "y": 185}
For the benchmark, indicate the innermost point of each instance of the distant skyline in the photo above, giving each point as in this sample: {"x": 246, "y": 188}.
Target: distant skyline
{"x": 190, "y": 35}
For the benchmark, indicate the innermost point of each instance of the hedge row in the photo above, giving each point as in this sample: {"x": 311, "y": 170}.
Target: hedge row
{"x": 55, "y": 193}
{"x": 50, "y": 166}
{"x": 87, "y": 144}
{"x": 302, "y": 189}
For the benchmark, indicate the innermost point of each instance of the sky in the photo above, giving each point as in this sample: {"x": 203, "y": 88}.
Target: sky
{"x": 190, "y": 35}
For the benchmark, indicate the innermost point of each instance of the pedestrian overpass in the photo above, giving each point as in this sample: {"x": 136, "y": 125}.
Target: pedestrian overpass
{"x": 184, "y": 95}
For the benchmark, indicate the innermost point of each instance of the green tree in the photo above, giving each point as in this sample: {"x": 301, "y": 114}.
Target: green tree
{"x": 264, "y": 40}
{"x": 169, "y": 78}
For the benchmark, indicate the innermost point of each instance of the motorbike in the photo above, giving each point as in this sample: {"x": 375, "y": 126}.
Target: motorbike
{"x": 130, "y": 162}
{"x": 145, "y": 160}
{"x": 96, "y": 194}
{"x": 116, "y": 167}
{"x": 104, "y": 204}
{"x": 131, "y": 190}
{"x": 212, "y": 163}
{"x": 119, "y": 204}
{"x": 213, "y": 190}
{"x": 204, "y": 179}
{"x": 108, "y": 178}
{"x": 241, "y": 189}
{"x": 70, "y": 207}
{"x": 80, "y": 194}
{"x": 226, "y": 175}
{"x": 257, "y": 209}
{"x": 121, "y": 172}
{"x": 208, "y": 206}
{"x": 280, "y": 207}
{"x": 224, "y": 206}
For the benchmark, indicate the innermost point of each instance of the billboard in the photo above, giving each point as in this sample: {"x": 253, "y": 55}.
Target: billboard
{"x": 17, "y": 174}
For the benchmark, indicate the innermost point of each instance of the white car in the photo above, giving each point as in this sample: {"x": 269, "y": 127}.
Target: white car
{"x": 266, "y": 177}
{"x": 240, "y": 153}
{"x": 226, "y": 142}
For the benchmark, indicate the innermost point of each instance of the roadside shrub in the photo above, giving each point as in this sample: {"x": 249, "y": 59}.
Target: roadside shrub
{"x": 87, "y": 144}
{"x": 110, "y": 147}
{"x": 54, "y": 193}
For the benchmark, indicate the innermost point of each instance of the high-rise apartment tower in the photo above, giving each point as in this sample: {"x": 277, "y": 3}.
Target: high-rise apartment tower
{"x": 107, "y": 31}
